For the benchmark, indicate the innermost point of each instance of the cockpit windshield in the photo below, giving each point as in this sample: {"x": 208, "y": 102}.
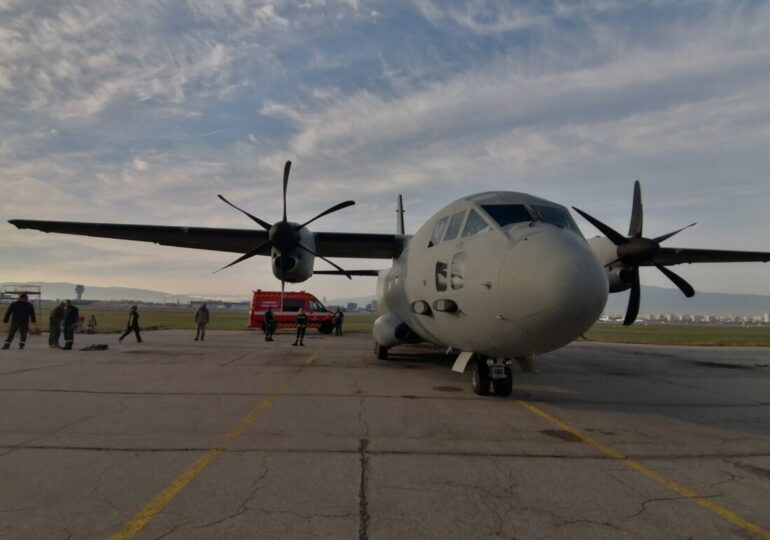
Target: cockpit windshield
{"x": 555, "y": 215}
{"x": 506, "y": 214}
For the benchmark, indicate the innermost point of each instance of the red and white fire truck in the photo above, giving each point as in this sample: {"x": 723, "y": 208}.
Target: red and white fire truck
{"x": 286, "y": 316}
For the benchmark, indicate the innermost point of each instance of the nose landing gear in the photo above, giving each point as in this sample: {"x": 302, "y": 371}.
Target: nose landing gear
{"x": 496, "y": 372}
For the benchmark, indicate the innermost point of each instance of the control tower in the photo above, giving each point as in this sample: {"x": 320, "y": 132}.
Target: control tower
{"x": 79, "y": 291}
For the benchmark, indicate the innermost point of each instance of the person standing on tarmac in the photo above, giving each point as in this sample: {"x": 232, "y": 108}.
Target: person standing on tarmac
{"x": 201, "y": 319}
{"x": 71, "y": 321}
{"x": 301, "y": 325}
{"x": 133, "y": 325}
{"x": 19, "y": 314}
{"x": 55, "y": 319}
{"x": 269, "y": 324}
{"x": 338, "y": 316}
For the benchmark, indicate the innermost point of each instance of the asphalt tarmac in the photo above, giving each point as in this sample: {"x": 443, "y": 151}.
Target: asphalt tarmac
{"x": 238, "y": 438}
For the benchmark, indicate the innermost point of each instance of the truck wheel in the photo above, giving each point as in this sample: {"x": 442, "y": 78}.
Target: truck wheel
{"x": 380, "y": 351}
{"x": 325, "y": 327}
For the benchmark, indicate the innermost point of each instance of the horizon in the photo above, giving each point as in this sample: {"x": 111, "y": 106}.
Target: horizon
{"x": 616, "y": 303}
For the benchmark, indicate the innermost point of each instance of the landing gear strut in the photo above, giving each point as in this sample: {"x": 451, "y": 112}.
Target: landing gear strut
{"x": 380, "y": 351}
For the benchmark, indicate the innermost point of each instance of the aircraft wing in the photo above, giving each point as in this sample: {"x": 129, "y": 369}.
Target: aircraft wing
{"x": 671, "y": 256}
{"x": 353, "y": 245}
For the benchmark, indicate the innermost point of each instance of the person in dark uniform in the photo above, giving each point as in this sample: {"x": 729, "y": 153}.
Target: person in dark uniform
{"x": 269, "y": 324}
{"x": 201, "y": 320}
{"x": 132, "y": 325}
{"x": 301, "y": 326}
{"x": 338, "y": 316}
{"x": 71, "y": 321}
{"x": 55, "y": 319}
{"x": 19, "y": 314}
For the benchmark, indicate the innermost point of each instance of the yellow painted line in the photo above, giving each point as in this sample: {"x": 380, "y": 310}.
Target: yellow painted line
{"x": 155, "y": 506}
{"x": 608, "y": 451}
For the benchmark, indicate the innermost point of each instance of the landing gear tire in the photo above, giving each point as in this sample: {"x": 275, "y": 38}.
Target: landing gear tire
{"x": 504, "y": 387}
{"x": 480, "y": 381}
{"x": 380, "y": 351}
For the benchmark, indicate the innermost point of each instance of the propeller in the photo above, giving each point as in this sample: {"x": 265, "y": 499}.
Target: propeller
{"x": 635, "y": 250}
{"x": 284, "y": 236}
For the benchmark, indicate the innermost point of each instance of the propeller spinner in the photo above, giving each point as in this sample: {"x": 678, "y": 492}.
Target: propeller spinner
{"x": 634, "y": 250}
{"x": 284, "y": 236}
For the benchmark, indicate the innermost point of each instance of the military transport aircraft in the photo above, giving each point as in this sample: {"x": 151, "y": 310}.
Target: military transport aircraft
{"x": 496, "y": 276}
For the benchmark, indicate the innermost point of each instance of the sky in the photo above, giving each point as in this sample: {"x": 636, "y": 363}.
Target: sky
{"x": 143, "y": 111}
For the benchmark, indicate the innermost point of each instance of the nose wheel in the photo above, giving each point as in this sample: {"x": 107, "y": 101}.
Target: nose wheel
{"x": 480, "y": 381}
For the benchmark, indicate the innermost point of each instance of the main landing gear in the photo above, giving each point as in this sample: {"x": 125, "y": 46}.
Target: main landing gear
{"x": 492, "y": 372}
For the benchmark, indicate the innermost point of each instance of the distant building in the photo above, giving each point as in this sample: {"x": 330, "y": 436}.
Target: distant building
{"x": 352, "y": 306}
{"x": 375, "y": 306}
{"x": 79, "y": 290}
{"x": 766, "y": 318}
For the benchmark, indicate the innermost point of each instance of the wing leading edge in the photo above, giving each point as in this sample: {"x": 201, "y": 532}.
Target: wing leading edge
{"x": 672, "y": 256}
{"x": 351, "y": 245}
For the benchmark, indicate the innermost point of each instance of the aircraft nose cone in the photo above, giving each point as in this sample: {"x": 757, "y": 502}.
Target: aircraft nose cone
{"x": 553, "y": 287}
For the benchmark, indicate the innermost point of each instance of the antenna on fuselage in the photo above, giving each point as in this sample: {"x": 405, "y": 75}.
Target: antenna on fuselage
{"x": 400, "y": 215}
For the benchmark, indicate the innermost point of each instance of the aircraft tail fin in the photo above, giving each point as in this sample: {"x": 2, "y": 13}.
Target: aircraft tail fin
{"x": 400, "y": 215}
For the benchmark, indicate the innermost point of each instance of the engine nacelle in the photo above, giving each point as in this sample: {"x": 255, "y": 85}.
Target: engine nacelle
{"x": 297, "y": 263}
{"x": 620, "y": 279}
{"x": 389, "y": 330}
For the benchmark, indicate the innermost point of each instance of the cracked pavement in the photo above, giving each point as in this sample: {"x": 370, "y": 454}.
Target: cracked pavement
{"x": 355, "y": 447}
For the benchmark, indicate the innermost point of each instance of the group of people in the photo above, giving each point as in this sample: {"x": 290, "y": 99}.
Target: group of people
{"x": 65, "y": 318}
{"x": 270, "y": 325}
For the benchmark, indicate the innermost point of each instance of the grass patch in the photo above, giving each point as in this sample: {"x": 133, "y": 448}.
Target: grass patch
{"x": 113, "y": 320}
{"x": 682, "y": 334}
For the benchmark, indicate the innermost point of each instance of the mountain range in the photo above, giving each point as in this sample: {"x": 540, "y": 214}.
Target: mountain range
{"x": 654, "y": 299}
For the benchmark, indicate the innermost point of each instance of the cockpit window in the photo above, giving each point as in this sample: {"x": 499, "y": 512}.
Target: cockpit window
{"x": 555, "y": 215}
{"x": 475, "y": 224}
{"x": 454, "y": 226}
{"x": 506, "y": 214}
{"x": 438, "y": 231}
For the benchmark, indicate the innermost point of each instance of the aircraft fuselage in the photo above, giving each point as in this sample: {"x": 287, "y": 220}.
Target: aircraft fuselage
{"x": 500, "y": 274}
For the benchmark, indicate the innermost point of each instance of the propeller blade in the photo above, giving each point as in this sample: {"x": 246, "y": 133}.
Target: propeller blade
{"x": 283, "y": 264}
{"x": 265, "y": 225}
{"x": 248, "y": 255}
{"x": 325, "y": 259}
{"x": 286, "y": 170}
{"x": 669, "y": 235}
{"x": 633, "y": 300}
{"x": 685, "y": 287}
{"x": 616, "y": 238}
{"x": 637, "y": 212}
{"x": 334, "y": 208}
